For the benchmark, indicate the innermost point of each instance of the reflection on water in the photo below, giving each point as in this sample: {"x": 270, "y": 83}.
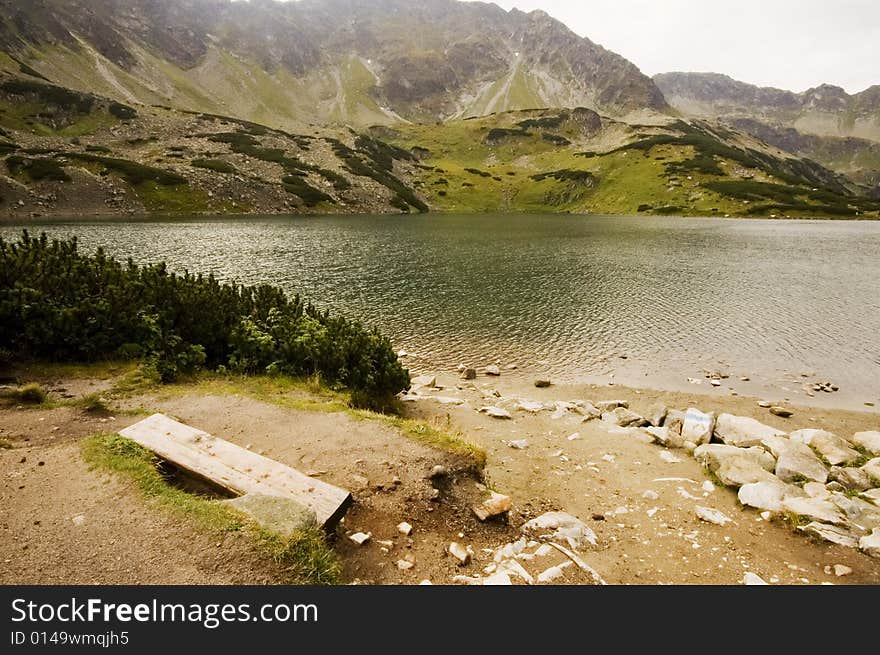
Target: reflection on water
{"x": 563, "y": 294}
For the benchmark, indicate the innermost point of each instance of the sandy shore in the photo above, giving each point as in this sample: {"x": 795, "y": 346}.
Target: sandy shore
{"x": 59, "y": 518}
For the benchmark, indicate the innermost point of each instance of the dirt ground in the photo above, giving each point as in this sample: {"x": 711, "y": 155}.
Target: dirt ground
{"x": 63, "y": 523}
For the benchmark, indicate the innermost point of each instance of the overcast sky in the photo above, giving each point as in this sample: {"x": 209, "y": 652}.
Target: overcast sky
{"x": 790, "y": 44}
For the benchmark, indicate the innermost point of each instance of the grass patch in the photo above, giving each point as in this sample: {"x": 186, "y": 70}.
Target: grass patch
{"x": 132, "y": 172}
{"x": 305, "y": 557}
{"x": 28, "y": 394}
{"x": 37, "y": 169}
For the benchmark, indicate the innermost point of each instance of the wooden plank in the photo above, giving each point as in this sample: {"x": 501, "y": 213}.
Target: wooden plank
{"x": 236, "y": 468}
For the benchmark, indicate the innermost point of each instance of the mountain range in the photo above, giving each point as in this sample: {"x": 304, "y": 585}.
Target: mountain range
{"x": 391, "y": 105}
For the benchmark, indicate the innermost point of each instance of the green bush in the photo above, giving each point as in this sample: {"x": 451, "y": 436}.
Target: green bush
{"x": 59, "y": 304}
{"x": 133, "y": 172}
{"x": 36, "y": 168}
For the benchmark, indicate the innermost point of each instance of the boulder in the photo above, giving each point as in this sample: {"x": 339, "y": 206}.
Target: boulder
{"x": 781, "y": 412}
{"x": 742, "y": 431}
{"x": 852, "y": 479}
{"x": 560, "y": 527}
{"x": 495, "y": 412}
{"x": 795, "y": 460}
{"x": 834, "y": 449}
{"x": 816, "y": 490}
{"x": 697, "y": 427}
{"x": 469, "y": 374}
{"x": 873, "y": 496}
{"x": 424, "y": 381}
{"x": 530, "y": 406}
{"x": 870, "y": 544}
{"x": 833, "y": 534}
{"x": 493, "y": 370}
{"x": 665, "y": 437}
{"x": 713, "y": 455}
{"x": 657, "y": 414}
{"x": 872, "y": 468}
{"x": 738, "y": 471}
{"x": 859, "y": 512}
{"x": 625, "y": 418}
{"x": 767, "y": 494}
{"x": 588, "y": 411}
{"x": 870, "y": 441}
{"x": 816, "y": 509}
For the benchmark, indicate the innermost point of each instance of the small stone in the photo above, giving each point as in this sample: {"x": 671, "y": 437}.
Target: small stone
{"x": 495, "y": 505}
{"x": 404, "y": 565}
{"x": 469, "y": 374}
{"x": 841, "y": 570}
{"x": 712, "y": 516}
{"x": 562, "y": 527}
{"x": 404, "y": 528}
{"x": 753, "y": 579}
{"x": 439, "y": 471}
{"x": 460, "y": 553}
{"x": 360, "y": 538}
{"x": 542, "y": 383}
{"x": 765, "y": 404}
{"x": 493, "y": 370}
{"x": 495, "y": 412}
{"x": 781, "y": 412}
{"x": 79, "y": 519}
{"x": 518, "y": 444}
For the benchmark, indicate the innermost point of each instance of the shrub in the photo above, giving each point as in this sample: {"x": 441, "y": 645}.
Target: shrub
{"x": 133, "y": 172}
{"x": 37, "y": 168}
{"x": 60, "y": 304}
{"x": 29, "y": 394}
{"x": 217, "y": 165}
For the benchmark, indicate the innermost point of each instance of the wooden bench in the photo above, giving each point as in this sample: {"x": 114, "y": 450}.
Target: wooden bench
{"x": 237, "y": 469}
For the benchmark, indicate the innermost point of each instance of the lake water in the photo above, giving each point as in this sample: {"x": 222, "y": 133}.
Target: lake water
{"x": 651, "y": 301}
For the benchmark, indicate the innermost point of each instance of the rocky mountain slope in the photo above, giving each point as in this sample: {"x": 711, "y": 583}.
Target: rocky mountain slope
{"x": 65, "y": 152}
{"x": 286, "y": 64}
{"x": 823, "y": 111}
{"x": 839, "y": 130}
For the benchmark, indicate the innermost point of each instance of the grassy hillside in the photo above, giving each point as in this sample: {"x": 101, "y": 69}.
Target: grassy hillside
{"x": 560, "y": 160}
{"x": 67, "y": 152}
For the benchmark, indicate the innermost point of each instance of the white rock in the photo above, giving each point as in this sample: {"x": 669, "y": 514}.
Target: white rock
{"x": 816, "y": 490}
{"x": 669, "y": 458}
{"x": 870, "y": 544}
{"x": 707, "y": 486}
{"x": 460, "y": 553}
{"x": 697, "y": 426}
{"x": 493, "y": 370}
{"x": 530, "y": 406}
{"x": 404, "y": 565}
{"x": 404, "y": 528}
{"x": 796, "y": 460}
{"x": 424, "y": 381}
{"x": 553, "y": 573}
{"x": 79, "y": 519}
{"x": 841, "y": 570}
{"x": 493, "y": 506}
{"x": 514, "y": 568}
{"x": 712, "y": 516}
{"x": 498, "y": 579}
{"x": 767, "y": 494}
{"x": 753, "y": 579}
{"x": 738, "y": 471}
{"x": 574, "y": 437}
{"x": 425, "y": 583}
{"x": 712, "y": 456}
{"x": 858, "y": 511}
{"x": 873, "y": 495}
{"x": 742, "y": 431}
{"x": 830, "y": 533}
{"x": 495, "y": 412}
{"x": 651, "y": 495}
{"x": 360, "y": 538}
{"x": 560, "y": 527}
{"x": 609, "y": 405}
{"x": 518, "y": 444}
{"x": 872, "y": 468}
{"x": 870, "y": 441}
{"x": 813, "y": 508}
{"x": 448, "y": 400}
{"x": 834, "y": 449}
